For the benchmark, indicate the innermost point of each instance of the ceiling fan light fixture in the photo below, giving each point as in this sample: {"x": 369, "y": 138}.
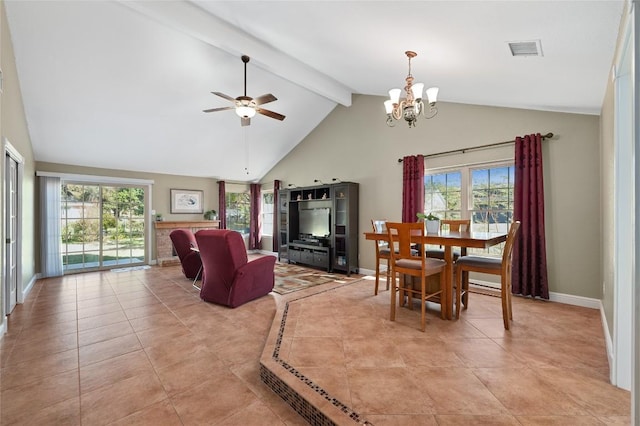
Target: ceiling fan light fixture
{"x": 245, "y": 111}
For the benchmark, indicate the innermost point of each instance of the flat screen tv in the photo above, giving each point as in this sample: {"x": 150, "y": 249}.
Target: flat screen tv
{"x": 314, "y": 222}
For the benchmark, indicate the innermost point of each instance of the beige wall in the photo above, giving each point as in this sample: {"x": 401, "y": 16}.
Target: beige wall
{"x": 160, "y": 201}
{"x": 14, "y": 128}
{"x": 354, "y": 144}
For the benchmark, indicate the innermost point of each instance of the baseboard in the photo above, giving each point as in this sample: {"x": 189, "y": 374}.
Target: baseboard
{"x": 268, "y": 253}
{"x": 28, "y": 288}
{"x": 570, "y": 299}
{"x": 609, "y": 343}
{"x": 3, "y": 327}
{"x": 364, "y": 271}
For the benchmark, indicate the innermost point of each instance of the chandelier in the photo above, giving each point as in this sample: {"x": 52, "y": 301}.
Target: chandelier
{"x": 412, "y": 105}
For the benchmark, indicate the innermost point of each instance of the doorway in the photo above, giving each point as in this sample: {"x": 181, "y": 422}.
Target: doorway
{"x": 12, "y": 215}
{"x": 102, "y": 226}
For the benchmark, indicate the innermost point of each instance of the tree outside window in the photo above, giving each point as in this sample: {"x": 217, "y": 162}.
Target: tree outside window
{"x": 238, "y": 209}
{"x": 267, "y": 213}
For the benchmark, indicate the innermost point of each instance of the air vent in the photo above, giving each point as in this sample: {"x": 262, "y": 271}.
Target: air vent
{"x": 525, "y": 48}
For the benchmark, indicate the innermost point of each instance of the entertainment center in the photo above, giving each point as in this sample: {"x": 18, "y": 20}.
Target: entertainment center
{"x": 318, "y": 226}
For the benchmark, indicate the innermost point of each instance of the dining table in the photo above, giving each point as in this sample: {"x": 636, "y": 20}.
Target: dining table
{"x": 449, "y": 240}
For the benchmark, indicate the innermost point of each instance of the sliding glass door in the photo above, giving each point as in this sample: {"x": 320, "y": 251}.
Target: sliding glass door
{"x": 102, "y": 226}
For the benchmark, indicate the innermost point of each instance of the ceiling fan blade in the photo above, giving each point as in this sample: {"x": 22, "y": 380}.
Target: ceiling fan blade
{"x": 217, "y": 109}
{"x": 245, "y": 121}
{"x": 270, "y": 114}
{"x": 222, "y": 95}
{"x": 265, "y": 99}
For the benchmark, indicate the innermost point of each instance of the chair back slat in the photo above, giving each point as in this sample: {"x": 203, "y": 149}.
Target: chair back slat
{"x": 456, "y": 225}
{"x": 402, "y": 233}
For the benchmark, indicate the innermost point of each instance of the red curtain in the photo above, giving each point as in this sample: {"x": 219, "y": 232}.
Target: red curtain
{"x": 276, "y": 218}
{"x": 412, "y": 187}
{"x": 254, "y": 219}
{"x": 222, "y": 205}
{"x": 529, "y": 276}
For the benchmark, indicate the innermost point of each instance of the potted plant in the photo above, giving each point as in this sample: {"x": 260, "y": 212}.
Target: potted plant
{"x": 159, "y": 217}
{"x": 432, "y": 222}
{"x": 210, "y": 215}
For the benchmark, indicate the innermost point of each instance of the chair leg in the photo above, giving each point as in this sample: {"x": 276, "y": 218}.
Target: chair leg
{"x": 505, "y": 303}
{"x": 458, "y": 291}
{"x": 443, "y": 283}
{"x": 465, "y": 288}
{"x": 392, "y": 314}
{"x": 423, "y": 300}
{"x": 375, "y": 291}
{"x": 388, "y": 276}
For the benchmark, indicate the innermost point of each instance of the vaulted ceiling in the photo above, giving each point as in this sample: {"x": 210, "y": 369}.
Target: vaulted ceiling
{"x": 122, "y": 84}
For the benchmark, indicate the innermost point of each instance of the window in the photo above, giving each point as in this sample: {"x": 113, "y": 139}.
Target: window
{"x": 101, "y": 225}
{"x": 267, "y": 213}
{"x": 492, "y": 198}
{"x": 482, "y": 193}
{"x": 238, "y": 206}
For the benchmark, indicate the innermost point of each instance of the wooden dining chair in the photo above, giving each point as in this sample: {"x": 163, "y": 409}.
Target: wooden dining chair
{"x": 488, "y": 265}
{"x": 454, "y": 225}
{"x": 408, "y": 262}
{"x": 382, "y": 252}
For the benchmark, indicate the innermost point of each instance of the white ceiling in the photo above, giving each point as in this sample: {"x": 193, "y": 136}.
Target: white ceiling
{"x": 122, "y": 84}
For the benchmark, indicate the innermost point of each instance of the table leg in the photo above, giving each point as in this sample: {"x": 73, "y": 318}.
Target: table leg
{"x": 447, "y": 295}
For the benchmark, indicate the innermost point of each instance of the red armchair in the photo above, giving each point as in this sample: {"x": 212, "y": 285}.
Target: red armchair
{"x": 183, "y": 240}
{"x": 228, "y": 278}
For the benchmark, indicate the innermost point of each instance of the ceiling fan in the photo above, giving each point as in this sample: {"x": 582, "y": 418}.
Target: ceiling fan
{"x": 246, "y": 106}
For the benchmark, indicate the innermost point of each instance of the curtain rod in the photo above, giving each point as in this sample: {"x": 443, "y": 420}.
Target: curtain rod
{"x": 473, "y": 148}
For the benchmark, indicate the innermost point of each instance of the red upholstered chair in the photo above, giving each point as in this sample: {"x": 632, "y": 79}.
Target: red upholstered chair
{"x": 228, "y": 278}
{"x": 183, "y": 240}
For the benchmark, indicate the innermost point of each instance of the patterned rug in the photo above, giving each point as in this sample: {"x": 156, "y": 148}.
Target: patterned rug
{"x": 290, "y": 278}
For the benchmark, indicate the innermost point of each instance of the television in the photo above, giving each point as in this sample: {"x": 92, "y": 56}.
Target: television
{"x": 314, "y": 222}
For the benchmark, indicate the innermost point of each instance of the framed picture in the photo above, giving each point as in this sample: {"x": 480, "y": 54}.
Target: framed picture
{"x": 186, "y": 201}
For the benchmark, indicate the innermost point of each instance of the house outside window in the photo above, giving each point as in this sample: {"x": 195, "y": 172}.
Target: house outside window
{"x": 482, "y": 193}
{"x": 267, "y": 213}
{"x": 237, "y": 211}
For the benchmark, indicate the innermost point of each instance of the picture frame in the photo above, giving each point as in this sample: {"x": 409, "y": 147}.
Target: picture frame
{"x": 187, "y": 201}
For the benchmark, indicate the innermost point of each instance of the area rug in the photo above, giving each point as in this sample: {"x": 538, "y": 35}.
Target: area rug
{"x": 290, "y": 278}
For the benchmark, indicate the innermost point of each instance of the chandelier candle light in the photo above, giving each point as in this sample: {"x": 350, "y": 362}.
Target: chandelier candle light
{"x": 412, "y": 105}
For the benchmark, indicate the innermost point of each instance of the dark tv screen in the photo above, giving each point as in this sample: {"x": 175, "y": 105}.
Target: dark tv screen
{"x": 315, "y": 222}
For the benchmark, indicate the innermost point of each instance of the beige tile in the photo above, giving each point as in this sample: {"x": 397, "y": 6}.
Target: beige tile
{"x": 255, "y": 413}
{"x": 188, "y": 372}
{"x": 387, "y": 391}
{"x": 222, "y": 401}
{"x": 403, "y": 419}
{"x": 62, "y": 413}
{"x": 113, "y": 370}
{"x": 559, "y": 421}
{"x": 317, "y": 352}
{"x": 159, "y": 414}
{"x": 598, "y": 398}
{"x": 19, "y": 402}
{"x": 524, "y": 393}
{"x": 457, "y": 391}
{"x": 362, "y": 352}
{"x": 106, "y": 349}
{"x": 106, "y": 332}
{"x": 51, "y": 345}
{"x": 120, "y": 399}
{"x": 34, "y": 369}
{"x": 476, "y": 420}
{"x": 101, "y": 320}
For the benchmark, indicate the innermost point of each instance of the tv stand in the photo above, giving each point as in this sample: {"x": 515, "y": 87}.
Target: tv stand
{"x": 311, "y": 254}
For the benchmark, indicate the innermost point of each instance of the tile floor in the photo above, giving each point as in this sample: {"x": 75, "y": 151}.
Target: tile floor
{"x": 141, "y": 348}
